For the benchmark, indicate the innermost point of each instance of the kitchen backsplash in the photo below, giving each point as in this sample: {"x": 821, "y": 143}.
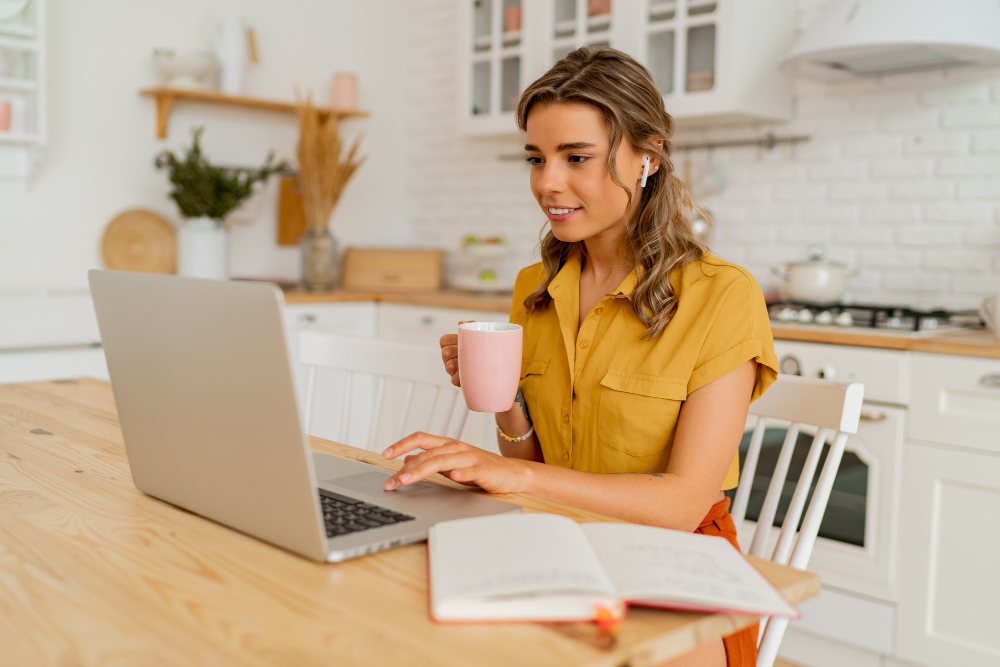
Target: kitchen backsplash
{"x": 901, "y": 177}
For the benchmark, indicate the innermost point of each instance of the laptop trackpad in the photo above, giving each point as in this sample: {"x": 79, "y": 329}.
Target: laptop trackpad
{"x": 372, "y": 483}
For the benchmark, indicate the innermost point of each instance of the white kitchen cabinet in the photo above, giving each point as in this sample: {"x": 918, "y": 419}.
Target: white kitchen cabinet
{"x": 495, "y": 60}
{"x": 49, "y": 335}
{"x": 950, "y": 583}
{"x": 23, "y": 85}
{"x": 957, "y": 402}
{"x": 52, "y": 364}
{"x": 715, "y": 61}
{"x": 424, "y": 325}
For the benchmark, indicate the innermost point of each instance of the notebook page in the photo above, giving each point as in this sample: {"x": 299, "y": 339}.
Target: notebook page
{"x": 513, "y": 554}
{"x": 656, "y": 564}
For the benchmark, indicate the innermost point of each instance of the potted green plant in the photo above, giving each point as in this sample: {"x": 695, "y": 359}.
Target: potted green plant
{"x": 205, "y": 195}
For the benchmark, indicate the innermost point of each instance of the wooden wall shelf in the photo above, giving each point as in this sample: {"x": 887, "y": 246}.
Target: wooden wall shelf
{"x": 166, "y": 96}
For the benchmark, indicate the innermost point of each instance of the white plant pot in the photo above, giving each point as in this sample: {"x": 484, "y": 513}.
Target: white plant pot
{"x": 203, "y": 249}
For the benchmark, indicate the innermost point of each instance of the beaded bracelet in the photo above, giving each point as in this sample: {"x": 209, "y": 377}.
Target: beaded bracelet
{"x": 517, "y": 439}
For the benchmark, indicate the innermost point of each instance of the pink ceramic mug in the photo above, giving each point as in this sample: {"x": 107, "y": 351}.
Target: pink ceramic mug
{"x": 489, "y": 364}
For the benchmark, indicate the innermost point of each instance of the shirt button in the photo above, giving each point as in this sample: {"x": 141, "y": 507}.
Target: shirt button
{"x": 565, "y": 419}
{"x": 565, "y": 456}
{"x": 585, "y": 344}
{"x": 598, "y": 311}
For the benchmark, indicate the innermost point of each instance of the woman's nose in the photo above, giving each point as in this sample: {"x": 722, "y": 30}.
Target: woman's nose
{"x": 552, "y": 179}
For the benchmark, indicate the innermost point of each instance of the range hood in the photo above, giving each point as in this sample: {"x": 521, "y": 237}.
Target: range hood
{"x": 871, "y": 37}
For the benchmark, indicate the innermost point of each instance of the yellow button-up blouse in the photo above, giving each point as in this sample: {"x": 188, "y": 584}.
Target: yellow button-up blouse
{"x": 604, "y": 400}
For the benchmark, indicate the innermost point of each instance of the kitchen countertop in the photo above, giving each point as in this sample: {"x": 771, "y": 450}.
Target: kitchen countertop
{"x": 973, "y": 343}
{"x": 448, "y": 298}
{"x": 976, "y": 343}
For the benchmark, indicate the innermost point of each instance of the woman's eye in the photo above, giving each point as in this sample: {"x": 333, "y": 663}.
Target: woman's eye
{"x": 574, "y": 159}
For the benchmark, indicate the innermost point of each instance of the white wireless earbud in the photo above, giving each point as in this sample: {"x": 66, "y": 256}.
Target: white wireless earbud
{"x": 645, "y": 171}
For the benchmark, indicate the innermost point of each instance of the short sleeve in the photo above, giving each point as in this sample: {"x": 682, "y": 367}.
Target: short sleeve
{"x": 740, "y": 331}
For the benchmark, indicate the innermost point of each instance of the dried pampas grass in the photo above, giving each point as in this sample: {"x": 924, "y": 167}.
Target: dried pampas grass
{"x": 322, "y": 173}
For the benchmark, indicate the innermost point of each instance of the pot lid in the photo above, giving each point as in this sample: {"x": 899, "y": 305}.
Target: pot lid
{"x": 817, "y": 257}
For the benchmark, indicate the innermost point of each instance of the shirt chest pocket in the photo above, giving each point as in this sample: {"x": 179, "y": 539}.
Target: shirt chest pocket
{"x": 638, "y": 413}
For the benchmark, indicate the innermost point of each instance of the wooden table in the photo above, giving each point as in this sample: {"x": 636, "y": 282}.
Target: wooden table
{"x": 94, "y": 572}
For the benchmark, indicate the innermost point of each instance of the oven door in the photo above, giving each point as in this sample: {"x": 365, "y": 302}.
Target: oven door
{"x": 855, "y": 549}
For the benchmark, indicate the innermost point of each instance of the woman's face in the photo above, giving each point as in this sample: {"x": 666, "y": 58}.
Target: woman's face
{"x": 568, "y": 146}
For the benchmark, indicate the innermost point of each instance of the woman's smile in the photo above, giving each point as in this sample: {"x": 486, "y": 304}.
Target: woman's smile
{"x": 560, "y": 214}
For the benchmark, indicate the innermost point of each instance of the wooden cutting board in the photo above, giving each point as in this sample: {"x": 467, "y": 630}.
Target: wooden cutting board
{"x": 291, "y": 213}
{"x": 138, "y": 239}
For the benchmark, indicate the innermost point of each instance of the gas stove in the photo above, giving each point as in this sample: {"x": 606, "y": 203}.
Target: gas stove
{"x": 889, "y": 320}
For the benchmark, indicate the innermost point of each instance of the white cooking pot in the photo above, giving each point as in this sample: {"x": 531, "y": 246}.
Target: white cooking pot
{"x": 817, "y": 280}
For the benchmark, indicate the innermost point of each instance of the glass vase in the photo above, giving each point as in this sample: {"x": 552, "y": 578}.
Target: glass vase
{"x": 320, "y": 259}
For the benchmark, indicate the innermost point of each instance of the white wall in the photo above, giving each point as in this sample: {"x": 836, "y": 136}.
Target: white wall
{"x": 102, "y": 141}
{"x": 901, "y": 178}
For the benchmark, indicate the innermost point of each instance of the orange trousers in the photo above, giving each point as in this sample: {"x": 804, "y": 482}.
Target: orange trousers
{"x": 741, "y": 646}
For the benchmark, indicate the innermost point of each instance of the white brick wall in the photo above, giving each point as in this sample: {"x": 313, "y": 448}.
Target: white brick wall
{"x": 901, "y": 177}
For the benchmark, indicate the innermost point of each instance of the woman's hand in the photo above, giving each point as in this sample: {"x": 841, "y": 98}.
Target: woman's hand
{"x": 456, "y": 460}
{"x": 449, "y": 353}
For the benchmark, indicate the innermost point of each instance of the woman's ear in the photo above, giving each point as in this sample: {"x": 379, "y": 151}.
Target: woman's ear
{"x": 654, "y": 162}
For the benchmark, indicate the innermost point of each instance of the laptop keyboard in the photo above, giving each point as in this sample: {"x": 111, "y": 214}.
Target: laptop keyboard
{"x": 343, "y": 515}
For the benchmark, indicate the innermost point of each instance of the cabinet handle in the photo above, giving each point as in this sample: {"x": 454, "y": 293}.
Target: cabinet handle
{"x": 990, "y": 380}
{"x": 872, "y": 416}
{"x": 307, "y": 318}
{"x": 427, "y": 320}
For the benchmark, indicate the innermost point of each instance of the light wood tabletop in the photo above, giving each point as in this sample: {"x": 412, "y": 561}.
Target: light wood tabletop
{"x": 93, "y": 572}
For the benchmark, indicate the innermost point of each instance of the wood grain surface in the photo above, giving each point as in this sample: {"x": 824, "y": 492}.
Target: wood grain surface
{"x": 93, "y": 572}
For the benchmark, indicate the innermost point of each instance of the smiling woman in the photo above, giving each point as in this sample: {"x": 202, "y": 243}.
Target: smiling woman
{"x": 641, "y": 351}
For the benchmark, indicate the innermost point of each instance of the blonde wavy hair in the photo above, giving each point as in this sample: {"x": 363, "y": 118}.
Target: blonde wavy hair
{"x": 658, "y": 238}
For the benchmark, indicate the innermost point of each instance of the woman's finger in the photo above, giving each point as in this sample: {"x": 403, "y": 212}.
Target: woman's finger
{"x": 432, "y": 465}
{"x": 416, "y": 459}
{"x": 418, "y": 440}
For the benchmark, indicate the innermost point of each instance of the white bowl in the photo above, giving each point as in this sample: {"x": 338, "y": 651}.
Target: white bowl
{"x": 185, "y": 70}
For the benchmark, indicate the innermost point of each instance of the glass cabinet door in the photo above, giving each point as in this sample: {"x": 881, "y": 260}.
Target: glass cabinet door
{"x": 495, "y": 56}
{"x": 577, "y": 23}
{"x": 680, "y": 43}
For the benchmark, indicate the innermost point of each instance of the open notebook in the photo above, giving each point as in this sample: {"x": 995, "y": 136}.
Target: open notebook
{"x": 546, "y": 567}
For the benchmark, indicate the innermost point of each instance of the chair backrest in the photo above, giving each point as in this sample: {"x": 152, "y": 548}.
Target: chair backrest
{"x": 418, "y": 368}
{"x": 833, "y": 409}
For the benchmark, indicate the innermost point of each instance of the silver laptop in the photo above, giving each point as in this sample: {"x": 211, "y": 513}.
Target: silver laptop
{"x": 204, "y": 390}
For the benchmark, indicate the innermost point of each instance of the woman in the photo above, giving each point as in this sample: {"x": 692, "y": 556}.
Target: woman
{"x": 642, "y": 352}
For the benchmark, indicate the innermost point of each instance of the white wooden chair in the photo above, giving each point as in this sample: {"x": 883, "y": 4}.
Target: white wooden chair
{"x": 416, "y": 367}
{"x": 834, "y": 409}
